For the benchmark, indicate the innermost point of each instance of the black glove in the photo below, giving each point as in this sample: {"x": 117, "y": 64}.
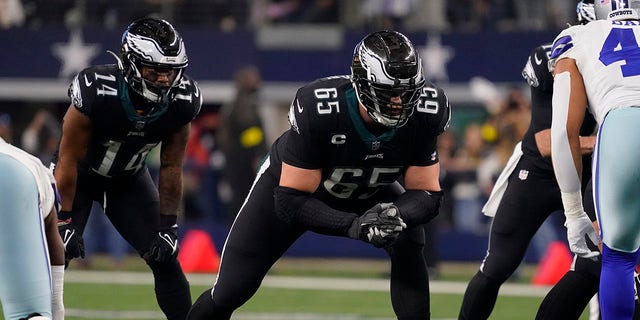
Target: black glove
{"x": 381, "y": 225}
{"x": 72, "y": 239}
{"x": 164, "y": 246}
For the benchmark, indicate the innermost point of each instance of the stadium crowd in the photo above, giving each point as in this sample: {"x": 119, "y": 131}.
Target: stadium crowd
{"x": 408, "y": 15}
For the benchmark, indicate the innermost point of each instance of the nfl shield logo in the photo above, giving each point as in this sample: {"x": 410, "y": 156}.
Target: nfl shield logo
{"x": 140, "y": 125}
{"x": 523, "y": 174}
{"x": 375, "y": 145}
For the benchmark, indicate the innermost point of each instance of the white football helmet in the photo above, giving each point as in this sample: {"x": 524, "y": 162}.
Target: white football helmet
{"x": 617, "y": 9}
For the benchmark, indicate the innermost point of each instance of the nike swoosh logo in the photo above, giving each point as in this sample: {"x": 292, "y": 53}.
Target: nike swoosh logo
{"x": 168, "y": 240}
{"x": 87, "y": 82}
{"x": 300, "y": 108}
{"x": 67, "y": 237}
{"x": 538, "y": 60}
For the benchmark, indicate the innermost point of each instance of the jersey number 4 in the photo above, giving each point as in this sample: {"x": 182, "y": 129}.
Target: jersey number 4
{"x": 621, "y": 45}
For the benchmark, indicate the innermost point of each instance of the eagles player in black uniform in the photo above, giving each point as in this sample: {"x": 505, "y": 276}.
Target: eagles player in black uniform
{"x": 531, "y": 195}
{"x": 118, "y": 113}
{"x": 335, "y": 172}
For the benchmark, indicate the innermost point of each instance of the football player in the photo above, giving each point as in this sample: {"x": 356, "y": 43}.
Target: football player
{"x": 336, "y": 171}
{"x": 524, "y": 196}
{"x": 596, "y": 68}
{"x": 31, "y": 250}
{"x": 118, "y": 113}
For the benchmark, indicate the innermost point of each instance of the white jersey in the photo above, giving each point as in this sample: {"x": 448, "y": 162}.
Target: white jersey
{"x": 601, "y": 49}
{"x": 42, "y": 175}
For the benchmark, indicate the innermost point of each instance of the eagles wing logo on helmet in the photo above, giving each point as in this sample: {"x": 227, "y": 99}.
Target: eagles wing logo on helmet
{"x": 385, "y": 67}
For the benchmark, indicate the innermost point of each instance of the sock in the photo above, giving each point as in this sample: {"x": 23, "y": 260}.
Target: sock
{"x": 172, "y": 289}
{"x": 616, "y": 284}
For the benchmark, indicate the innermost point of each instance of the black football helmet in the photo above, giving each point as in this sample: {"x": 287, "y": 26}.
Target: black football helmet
{"x": 155, "y": 43}
{"x": 385, "y": 65}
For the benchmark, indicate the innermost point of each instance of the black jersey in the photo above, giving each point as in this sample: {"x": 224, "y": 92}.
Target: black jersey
{"x": 121, "y": 138}
{"x": 328, "y": 133}
{"x": 537, "y": 74}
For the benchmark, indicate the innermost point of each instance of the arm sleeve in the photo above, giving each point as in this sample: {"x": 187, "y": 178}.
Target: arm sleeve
{"x": 300, "y": 208}
{"x": 418, "y": 206}
{"x": 564, "y": 167}
{"x": 57, "y": 282}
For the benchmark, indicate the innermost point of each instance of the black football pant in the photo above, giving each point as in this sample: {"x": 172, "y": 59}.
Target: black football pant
{"x": 258, "y": 238}
{"x": 528, "y": 200}
{"x": 132, "y": 205}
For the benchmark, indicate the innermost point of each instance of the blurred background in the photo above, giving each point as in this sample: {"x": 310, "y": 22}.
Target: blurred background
{"x": 250, "y": 56}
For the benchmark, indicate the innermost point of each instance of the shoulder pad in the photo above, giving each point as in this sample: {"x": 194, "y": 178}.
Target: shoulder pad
{"x": 435, "y": 108}
{"x": 319, "y": 101}
{"x": 91, "y": 83}
{"x": 563, "y": 44}
{"x": 536, "y": 70}
{"x": 187, "y": 97}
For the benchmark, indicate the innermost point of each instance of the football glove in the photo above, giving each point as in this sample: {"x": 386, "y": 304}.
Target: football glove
{"x": 71, "y": 238}
{"x": 164, "y": 246}
{"x": 636, "y": 284}
{"x": 381, "y": 225}
{"x": 578, "y": 228}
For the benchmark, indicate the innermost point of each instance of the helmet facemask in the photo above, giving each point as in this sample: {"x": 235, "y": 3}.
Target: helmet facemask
{"x": 585, "y": 11}
{"x": 155, "y": 44}
{"x": 387, "y": 77}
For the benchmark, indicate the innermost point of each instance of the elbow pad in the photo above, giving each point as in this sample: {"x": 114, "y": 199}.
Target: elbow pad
{"x": 418, "y": 206}
{"x": 300, "y": 208}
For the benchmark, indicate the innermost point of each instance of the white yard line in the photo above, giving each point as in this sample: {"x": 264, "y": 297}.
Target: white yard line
{"x": 288, "y": 282}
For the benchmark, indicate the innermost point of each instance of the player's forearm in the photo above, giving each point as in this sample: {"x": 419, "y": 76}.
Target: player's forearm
{"x": 300, "y": 208}
{"x": 587, "y": 143}
{"x": 170, "y": 190}
{"x": 565, "y": 141}
{"x": 418, "y": 206}
{"x": 543, "y": 142}
{"x": 66, "y": 175}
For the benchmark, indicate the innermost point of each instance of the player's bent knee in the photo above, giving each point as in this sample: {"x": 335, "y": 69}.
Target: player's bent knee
{"x": 205, "y": 308}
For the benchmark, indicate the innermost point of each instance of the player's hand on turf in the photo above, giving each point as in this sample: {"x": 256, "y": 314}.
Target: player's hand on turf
{"x": 164, "y": 246}
{"x": 71, "y": 238}
{"x": 381, "y": 225}
{"x": 577, "y": 228}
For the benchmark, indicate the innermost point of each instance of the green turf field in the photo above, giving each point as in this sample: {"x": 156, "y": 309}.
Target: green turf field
{"x": 289, "y": 294}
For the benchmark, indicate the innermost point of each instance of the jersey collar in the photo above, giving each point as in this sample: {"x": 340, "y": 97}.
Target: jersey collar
{"x": 367, "y": 137}
{"x": 130, "y": 110}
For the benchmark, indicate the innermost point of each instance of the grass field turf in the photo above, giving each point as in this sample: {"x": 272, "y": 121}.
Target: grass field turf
{"x": 112, "y": 300}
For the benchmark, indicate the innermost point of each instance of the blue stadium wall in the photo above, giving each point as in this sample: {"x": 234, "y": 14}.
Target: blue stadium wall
{"x": 214, "y": 55}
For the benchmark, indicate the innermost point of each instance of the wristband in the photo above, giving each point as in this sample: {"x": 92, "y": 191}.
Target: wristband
{"x": 64, "y": 216}
{"x": 168, "y": 221}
